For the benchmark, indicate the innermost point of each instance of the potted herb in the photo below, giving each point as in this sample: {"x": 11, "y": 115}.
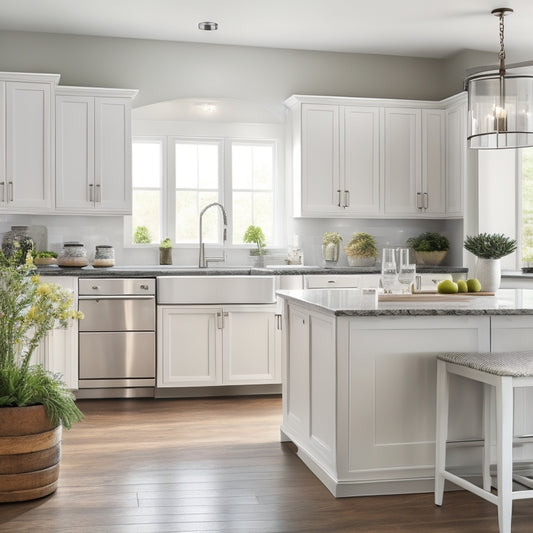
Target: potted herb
{"x": 330, "y": 247}
{"x": 45, "y": 258}
{"x": 165, "y": 252}
{"x": 361, "y": 250}
{"x": 430, "y": 248}
{"x": 489, "y": 248}
{"x": 34, "y": 403}
{"x": 255, "y": 235}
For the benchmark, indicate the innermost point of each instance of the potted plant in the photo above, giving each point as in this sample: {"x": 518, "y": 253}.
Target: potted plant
{"x": 34, "y": 403}
{"x": 361, "y": 250}
{"x": 165, "y": 252}
{"x": 255, "y": 235}
{"x": 489, "y": 248}
{"x": 330, "y": 247}
{"x": 430, "y": 248}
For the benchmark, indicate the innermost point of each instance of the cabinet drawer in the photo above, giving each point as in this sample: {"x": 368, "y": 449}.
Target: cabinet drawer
{"x": 328, "y": 282}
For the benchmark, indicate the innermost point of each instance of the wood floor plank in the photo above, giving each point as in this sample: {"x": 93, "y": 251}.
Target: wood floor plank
{"x": 216, "y": 465}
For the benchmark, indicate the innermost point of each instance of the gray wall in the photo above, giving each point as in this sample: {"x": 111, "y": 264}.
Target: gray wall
{"x": 167, "y": 70}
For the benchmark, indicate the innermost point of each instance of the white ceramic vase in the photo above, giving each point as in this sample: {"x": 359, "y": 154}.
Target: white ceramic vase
{"x": 488, "y": 272}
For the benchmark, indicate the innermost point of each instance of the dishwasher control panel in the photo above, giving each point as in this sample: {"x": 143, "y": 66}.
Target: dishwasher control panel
{"x": 116, "y": 286}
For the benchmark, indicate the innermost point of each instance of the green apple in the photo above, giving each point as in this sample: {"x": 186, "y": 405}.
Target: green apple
{"x": 473, "y": 285}
{"x": 462, "y": 285}
{"x": 447, "y": 286}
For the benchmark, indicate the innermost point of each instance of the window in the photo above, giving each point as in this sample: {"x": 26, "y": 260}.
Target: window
{"x": 239, "y": 174}
{"x": 527, "y": 205}
{"x": 147, "y": 172}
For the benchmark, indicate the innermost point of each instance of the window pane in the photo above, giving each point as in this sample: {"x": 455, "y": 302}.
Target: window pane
{"x": 242, "y": 215}
{"x": 186, "y": 216}
{"x": 262, "y": 157}
{"x": 146, "y": 164}
{"x": 207, "y": 166}
{"x": 210, "y": 220}
{"x": 263, "y": 214}
{"x": 527, "y": 205}
{"x": 186, "y": 166}
{"x": 146, "y": 210}
{"x": 241, "y": 161}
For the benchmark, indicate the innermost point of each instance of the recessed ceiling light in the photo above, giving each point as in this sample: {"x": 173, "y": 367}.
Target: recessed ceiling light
{"x": 208, "y": 26}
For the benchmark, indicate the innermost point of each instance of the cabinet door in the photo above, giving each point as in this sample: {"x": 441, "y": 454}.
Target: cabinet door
{"x": 249, "y": 353}
{"x": 113, "y": 155}
{"x": 402, "y": 170}
{"x": 189, "y": 346}
{"x": 58, "y": 352}
{"x": 360, "y": 134}
{"x": 74, "y": 152}
{"x": 433, "y": 162}
{"x": 320, "y": 185}
{"x": 28, "y": 135}
{"x": 455, "y": 159}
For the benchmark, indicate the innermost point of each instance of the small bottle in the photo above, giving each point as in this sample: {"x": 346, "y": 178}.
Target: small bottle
{"x": 104, "y": 256}
{"x": 74, "y": 254}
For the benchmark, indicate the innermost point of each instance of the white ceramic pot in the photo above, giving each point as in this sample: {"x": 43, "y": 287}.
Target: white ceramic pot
{"x": 354, "y": 261}
{"x": 488, "y": 272}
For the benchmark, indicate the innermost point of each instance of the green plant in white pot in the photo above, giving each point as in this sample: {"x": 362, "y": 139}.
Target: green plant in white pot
{"x": 361, "y": 250}
{"x": 489, "y": 248}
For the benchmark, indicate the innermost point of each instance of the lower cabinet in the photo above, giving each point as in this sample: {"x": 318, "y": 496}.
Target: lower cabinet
{"x": 58, "y": 352}
{"x": 214, "y": 345}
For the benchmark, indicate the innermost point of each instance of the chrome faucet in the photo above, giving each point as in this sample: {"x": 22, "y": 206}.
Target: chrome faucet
{"x": 202, "y": 259}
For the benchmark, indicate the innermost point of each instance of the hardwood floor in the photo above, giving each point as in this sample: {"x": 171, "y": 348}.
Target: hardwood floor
{"x": 216, "y": 465}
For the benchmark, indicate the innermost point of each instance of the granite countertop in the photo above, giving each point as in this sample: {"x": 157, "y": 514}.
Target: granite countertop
{"x": 347, "y": 302}
{"x": 147, "y": 271}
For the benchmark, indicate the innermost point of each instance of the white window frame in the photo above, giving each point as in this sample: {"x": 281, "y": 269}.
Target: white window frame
{"x": 227, "y": 134}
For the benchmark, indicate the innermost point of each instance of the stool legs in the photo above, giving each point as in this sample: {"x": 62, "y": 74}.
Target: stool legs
{"x": 487, "y": 424}
{"x": 442, "y": 429}
{"x": 504, "y": 432}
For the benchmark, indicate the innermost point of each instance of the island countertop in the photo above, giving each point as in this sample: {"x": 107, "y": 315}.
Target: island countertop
{"x": 347, "y": 302}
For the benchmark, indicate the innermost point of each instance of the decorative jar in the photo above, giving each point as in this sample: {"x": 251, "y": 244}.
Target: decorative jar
{"x": 17, "y": 239}
{"x": 74, "y": 254}
{"x": 104, "y": 256}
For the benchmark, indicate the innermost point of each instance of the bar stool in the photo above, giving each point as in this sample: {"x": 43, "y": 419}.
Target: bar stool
{"x": 503, "y": 371}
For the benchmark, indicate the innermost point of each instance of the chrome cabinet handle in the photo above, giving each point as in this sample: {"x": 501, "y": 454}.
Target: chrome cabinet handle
{"x": 346, "y": 199}
{"x": 339, "y": 202}
{"x": 98, "y": 194}
{"x": 3, "y": 196}
{"x": 10, "y": 190}
{"x": 426, "y": 200}
{"x": 278, "y": 321}
{"x": 91, "y": 192}
{"x": 419, "y": 200}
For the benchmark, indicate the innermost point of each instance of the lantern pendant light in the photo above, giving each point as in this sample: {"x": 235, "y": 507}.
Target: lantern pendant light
{"x": 500, "y": 104}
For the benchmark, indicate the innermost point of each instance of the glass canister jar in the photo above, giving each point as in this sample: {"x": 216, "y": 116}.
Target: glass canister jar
{"x": 18, "y": 239}
{"x": 74, "y": 254}
{"x": 104, "y": 256}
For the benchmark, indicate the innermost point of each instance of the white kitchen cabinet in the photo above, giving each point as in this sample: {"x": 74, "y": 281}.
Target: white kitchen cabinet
{"x": 335, "y": 160}
{"x": 25, "y": 142}
{"x": 455, "y": 156}
{"x": 58, "y": 352}
{"x": 215, "y": 345}
{"x": 93, "y": 150}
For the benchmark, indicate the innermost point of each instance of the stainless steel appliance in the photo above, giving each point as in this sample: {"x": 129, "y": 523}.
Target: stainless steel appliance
{"x": 117, "y": 337}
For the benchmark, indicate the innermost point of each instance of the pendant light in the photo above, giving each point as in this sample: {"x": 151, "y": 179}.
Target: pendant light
{"x": 500, "y": 103}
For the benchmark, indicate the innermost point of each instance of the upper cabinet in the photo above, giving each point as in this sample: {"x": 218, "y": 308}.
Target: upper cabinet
{"x": 363, "y": 158}
{"x": 25, "y": 142}
{"x": 93, "y": 150}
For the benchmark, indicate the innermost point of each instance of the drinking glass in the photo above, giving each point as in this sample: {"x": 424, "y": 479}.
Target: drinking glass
{"x": 388, "y": 269}
{"x": 404, "y": 256}
{"x": 406, "y": 276}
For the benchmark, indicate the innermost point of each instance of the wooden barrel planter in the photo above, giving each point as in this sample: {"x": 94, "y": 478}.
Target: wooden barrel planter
{"x": 30, "y": 450}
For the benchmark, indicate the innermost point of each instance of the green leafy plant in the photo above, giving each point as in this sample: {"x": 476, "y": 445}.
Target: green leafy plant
{"x": 166, "y": 243}
{"x": 429, "y": 242}
{"x": 29, "y": 310}
{"x": 361, "y": 245}
{"x": 255, "y": 235}
{"x": 490, "y": 245}
{"x": 142, "y": 235}
{"x": 46, "y": 254}
{"x": 330, "y": 237}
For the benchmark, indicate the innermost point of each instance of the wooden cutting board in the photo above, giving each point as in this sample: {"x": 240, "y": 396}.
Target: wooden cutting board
{"x": 429, "y": 296}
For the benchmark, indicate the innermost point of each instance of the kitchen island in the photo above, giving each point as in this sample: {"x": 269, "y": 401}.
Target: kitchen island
{"x": 359, "y": 383}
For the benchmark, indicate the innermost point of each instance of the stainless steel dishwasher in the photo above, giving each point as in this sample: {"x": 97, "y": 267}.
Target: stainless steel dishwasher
{"x": 117, "y": 337}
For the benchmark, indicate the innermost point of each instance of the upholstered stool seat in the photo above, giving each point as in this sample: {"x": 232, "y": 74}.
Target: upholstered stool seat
{"x": 504, "y": 372}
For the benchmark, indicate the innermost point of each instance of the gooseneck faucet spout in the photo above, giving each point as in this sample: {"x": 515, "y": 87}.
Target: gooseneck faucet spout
{"x": 202, "y": 259}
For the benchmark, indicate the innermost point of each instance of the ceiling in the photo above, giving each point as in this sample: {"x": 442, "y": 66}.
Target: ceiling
{"x": 420, "y": 28}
